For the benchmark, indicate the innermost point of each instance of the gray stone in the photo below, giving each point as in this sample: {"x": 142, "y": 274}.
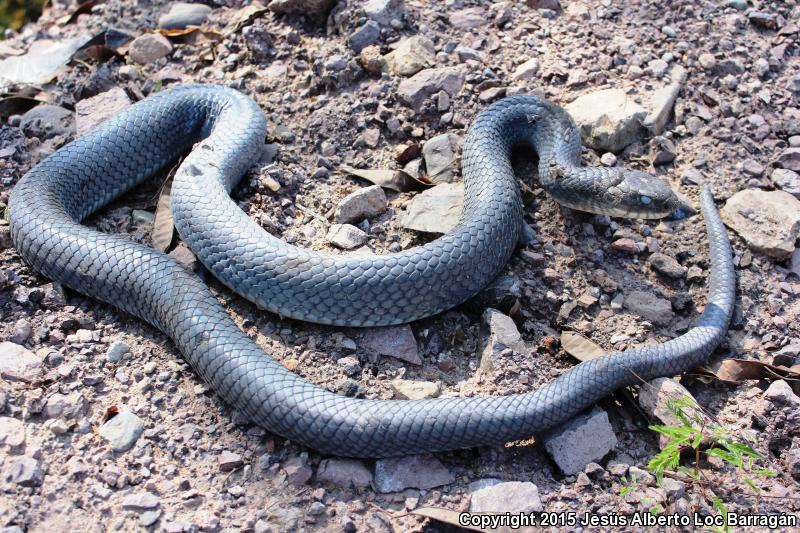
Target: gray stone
{"x": 67, "y": 406}
{"x": 183, "y": 14}
{"x": 414, "y": 91}
{"x": 416, "y": 471}
{"x": 654, "y": 398}
{"x": 316, "y": 8}
{"x": 436, "y": 210}
{"x": 674, "y": 488}
{"x": 383, "y": 11}
{"x": 609, "y": 120}
{"x": 363, "y": 203}
{"x": 789, "y": 158}
{"x": 345, "y": 473}
{"x": 24, "y": 471}
{"x": 793, "y": 460}
{"x": 751, "y": 167}
{"x": 787, "y": 180}
{"x": 394, "y": 341}
{"x": 149, "y": 48}
{"x": 526, "y": 70}
{"x": 411, "y": 55}
{"x": 229, "y": 461}
{"x": 780, "y": 393}
{"x": 364, "y": 36}
{"x": 17, "y": 363}
{"x": 12, "y": 432}
{"x": 47, "y": 121}
{"x": 769, "y": 221}
{"x": 666, "y": 266}
{"x": 406, "y": 389}
{"x": 659, "y": 106}
{"x": 500, "y": 333}
{"x": 141, "y": 501}
{"x": 649, "y": 306}
{"x": 116, "y": 351}
{"x": 22, "y": 331}
{"x": 439, "y": 158}
{"x": 584, "y": 439}
{"x": 506, "y": 497}
{"x": 349, "y": 365}
{"x": 122, "y": 431}
{"x": 346, "y": 236}
{"x": 297, "y": 471}
{"x": 469, "y": 18}
{"x": 92, "y": 111}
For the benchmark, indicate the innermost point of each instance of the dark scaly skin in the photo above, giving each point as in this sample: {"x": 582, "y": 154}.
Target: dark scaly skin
{"x": 48, "y": 204}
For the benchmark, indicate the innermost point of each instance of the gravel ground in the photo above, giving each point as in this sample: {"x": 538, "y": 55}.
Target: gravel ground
{"x": 176, "y": 458}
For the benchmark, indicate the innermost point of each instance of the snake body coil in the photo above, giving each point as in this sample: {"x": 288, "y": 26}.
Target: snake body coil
{"x": 49, "y": 203}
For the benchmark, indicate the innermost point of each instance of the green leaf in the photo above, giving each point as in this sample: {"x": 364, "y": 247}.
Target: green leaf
{"x": 684, "y": 434}
{"x": 743, "y": 449}
{"x": 750, "y": 483}
{"x": 766, "y": 472}
{"x": 624, "y": 491}
{"x": 726, "y": 456}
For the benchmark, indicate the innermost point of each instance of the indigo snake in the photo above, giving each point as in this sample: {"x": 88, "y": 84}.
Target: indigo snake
{"x": 49, "y": 203}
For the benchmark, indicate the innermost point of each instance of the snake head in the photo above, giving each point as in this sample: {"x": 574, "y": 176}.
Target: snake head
{"x": 644, "y": 196}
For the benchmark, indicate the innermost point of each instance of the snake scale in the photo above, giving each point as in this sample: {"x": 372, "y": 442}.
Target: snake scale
{"x": 227, "y": 130}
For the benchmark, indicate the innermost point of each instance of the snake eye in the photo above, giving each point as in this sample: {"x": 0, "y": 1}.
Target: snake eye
{"x": 646, "y": 200}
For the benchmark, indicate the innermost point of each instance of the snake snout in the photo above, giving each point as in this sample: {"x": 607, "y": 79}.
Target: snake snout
{"x": 647, "y": 196}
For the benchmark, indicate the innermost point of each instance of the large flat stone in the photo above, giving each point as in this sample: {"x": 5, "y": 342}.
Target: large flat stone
{"x": 769, "y": 221}
{"x": 585, "y": 439}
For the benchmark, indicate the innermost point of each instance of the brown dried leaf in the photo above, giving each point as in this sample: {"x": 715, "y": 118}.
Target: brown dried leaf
{"x": 192, "y": 35}
{"x": 81, "y": 9}
{"x": 737, "y": 370}
{"x": 446, "y": 516}
{"x": 244, "y": 16}
{"x": 580, "y": 347}
{"x": 163, "y": 224}
{"x": 396, "y": 180}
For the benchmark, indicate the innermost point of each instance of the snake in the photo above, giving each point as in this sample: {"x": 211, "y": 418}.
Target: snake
{"x": 224, "y": 132}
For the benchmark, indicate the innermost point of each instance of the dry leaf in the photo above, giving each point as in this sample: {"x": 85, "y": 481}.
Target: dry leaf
{"x": 580, "y": 347}
{"x": 192, "y": 35}
{"x": 738, "y": 370}
{"x": 244, "y": 16}
{"x": 396, "y": 180}
{"x": 81, "y": 9}
{"x": 43, "y": 61}
{"x": 163, "y": 224}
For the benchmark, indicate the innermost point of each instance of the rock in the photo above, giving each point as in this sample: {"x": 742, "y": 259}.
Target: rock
{"x": 552, "y": 5}
{"x": 116, "y": 351}
{"x": 12, "y": 432}
{"x": 467, "y": 19}
{"x": 584, "y": 439}
{"x": 345, "y": 473}
{"x": 363, "y": 203}
{"x": 349, "y": 365}
{"x": 24, "y": 471}
{"x": 780, "y": 393}
{"x": 364, "y": 36}
{"x": 654, "y": 398}
{"x": 662, "y": 150}
{"x": 47, "y": 121}
{"x": 149, "y": 48}
{"x": 183, "y": 14}
{"x": 411, "y": 55}
{"x": 258, "y": 40}
{"x": 22, "y": 332}
{"x": 383, "y": 11}
{"x": 627, "y": 245}
{"x": 346, "y": 236}
{"x": 649, "y": 306}
{"x": 94, "y": 110}
{"x": 17, "y": 363}
{"x": 406, "y": 389}
{"x": 526, "y": 71}
{"x": 506, "y": 497}
{"x": 316, "y": 8}
{"x": 666, "y": 266}
{"x": 787, "y": 180}
{"x": 763, "y": 20}
{"x": 439, "y": 158}
{"x": 414, "y": 91}
{"x": 675, "y": 489}
{"x": 59, "y": 405}
{"x": 297, "y": 471}
{"x": 416, "y": 471}
{"x": 436, "y": 210}
{"x": 769, "y": 221}
{"x": 751, "y": 167}
{"x": 394, "y": 341}
{"x": 660, "y": 105}
{"x": 122, "y": 431}
{"x": 500, "y": 333}
{"x": 793, "y": 460}
{"x": 501, "y": 294}
{"x": 789, "y": 158}
{"x": 229, "y": 461}
{"x": 609, "y": 120}
{"x": 372, "y": 60}
{"x": 707, "y": 61}
{"x": 141, "y": 501}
